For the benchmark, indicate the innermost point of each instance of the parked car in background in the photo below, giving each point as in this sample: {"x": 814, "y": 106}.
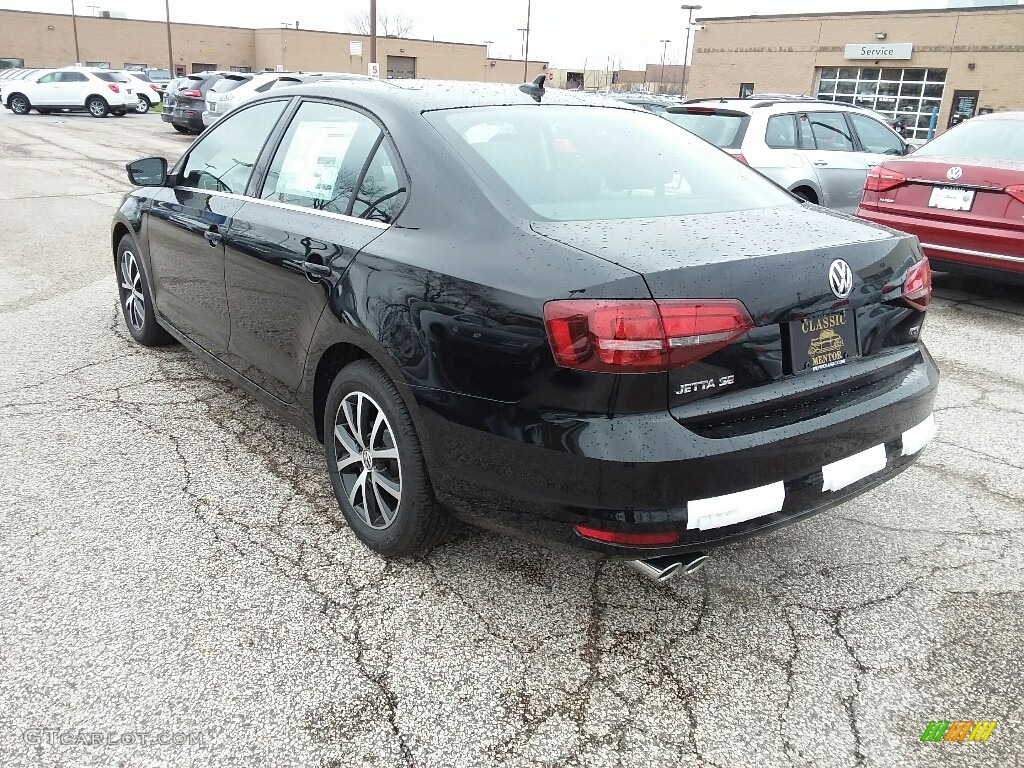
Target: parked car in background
{"x": 100, "y": 92}
{"x": 650, "y": 102}
{"x": 962, "y": 194}
{"x": 558, "y": 318}
{"x": 148, "y": 92}
{"x": 159, "y": 76}
{"x": 238, "y": 88}
{"x": 818, "y": 150}
{"x": 185, "y": 100}
{"x": 7, "y": 84}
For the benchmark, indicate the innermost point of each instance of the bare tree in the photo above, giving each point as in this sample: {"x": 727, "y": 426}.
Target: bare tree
{"x": 388, "y": 24}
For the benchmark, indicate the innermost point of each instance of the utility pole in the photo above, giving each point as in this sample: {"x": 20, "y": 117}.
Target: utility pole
{"x": 373, "y": 31}
{"x": 74, "y": 26}
{"x": 170, "y": 53}
{"x": 686, "y": 51}
{"x": 526, "y": 46}
{"x": 664, "y": 47}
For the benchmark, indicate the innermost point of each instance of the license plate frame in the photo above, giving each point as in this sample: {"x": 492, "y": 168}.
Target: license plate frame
{"x": 951, "y": 198}
{"x": 821, "y": 341}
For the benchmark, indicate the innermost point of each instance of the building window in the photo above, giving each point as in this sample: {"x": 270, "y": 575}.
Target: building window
{"x": 203, "y": 68}
{"x": 241, "y": 69}
{"x": 135, "y": 66}
{"x": 11, "y": 63}
{"x": 98, "y": 64}
{"x": 907, "y": 94}
{"x": 746, "y": 90}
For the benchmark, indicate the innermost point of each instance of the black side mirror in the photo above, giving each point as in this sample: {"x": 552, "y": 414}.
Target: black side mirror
{"x": 147, "y": 172}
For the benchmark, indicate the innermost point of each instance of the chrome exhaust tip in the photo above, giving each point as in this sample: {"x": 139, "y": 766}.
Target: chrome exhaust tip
{"x": 661, "y": 569}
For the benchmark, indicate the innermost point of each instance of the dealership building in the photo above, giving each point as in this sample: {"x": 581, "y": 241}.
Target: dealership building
{"x": 965, "y": 61}
{"x": 33, "y": 39}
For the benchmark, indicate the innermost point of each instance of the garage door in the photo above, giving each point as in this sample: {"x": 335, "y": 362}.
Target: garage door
{"x": 401, "y": 67}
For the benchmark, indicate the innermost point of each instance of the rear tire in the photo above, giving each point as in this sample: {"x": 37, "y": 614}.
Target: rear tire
{"x": 144, "y": 106}
{"x": 19, "y": 104}
{"x": 376, "y": 465}
{"x": 97, "y": 107}
{"x": 136, "y": 298}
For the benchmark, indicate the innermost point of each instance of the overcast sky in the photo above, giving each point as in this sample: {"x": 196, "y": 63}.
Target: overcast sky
{"x": 568, "y": 33}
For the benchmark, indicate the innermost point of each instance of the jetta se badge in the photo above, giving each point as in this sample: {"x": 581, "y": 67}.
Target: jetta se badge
{"x": 840, "y": 279}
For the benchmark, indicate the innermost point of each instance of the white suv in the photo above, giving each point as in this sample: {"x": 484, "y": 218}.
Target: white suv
{"x": 235, "y": 89}
{"x": 97, "y": 91}
{"x": 820, "y": 151}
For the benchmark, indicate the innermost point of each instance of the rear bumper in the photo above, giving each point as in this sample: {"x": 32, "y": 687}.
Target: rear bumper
{"x": 950, "y": 247}
{"x": 537, "y": 475}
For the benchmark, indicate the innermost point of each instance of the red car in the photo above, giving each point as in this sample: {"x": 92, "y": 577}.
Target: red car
{"x": 962, "y": 194}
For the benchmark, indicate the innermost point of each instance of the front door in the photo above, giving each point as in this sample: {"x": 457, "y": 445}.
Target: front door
{"x": 333, "y": 186}
{"x": 840, "y": 169}
{"x": 187, "y": 224}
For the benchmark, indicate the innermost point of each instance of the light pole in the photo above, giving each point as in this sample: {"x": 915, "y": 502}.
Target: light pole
{"x": 526, "y": 45}
{"x": 373, "y": 31}
{"x": 170, "y": 53}
{"x": 686, "y": 51}
{"x": 74, "y": 26}
{"x": 664, "y": 47}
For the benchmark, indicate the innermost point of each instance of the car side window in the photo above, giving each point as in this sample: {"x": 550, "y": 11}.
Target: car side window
{"x": 804, "y": 133}
{"x": 321, "y": 157}
{"x": 382, "y": 191}
{"x": 223, "y": 160}
{"x": 781, "y": 132}
{"x": 831, "y": 133}
{"x": 72, "y": 77}
{"x": 53, "y": 77}
{"x": 875, "y": 137}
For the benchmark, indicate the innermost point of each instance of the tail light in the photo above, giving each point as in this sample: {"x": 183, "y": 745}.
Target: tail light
{"x": 882, "y": 179}
{"x": 917, "y": 286}
{"x": 192, "y": 93}
{"x": 1016, "y": 192}
{"x": 113, "y": 87}
{"x": 634, "y": 539}
{"x": 640, "y": 336}
{"x": 155, "y": 87}
{"x": 739, "y": 156}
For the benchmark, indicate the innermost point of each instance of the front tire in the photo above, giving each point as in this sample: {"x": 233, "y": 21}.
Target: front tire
{"x": 136, "y": 297}
{"x": 143, "y": 106}
{"x": 19, "y": 104}
{"x": 97, "y": 107}
{"x": 376, "y": 465}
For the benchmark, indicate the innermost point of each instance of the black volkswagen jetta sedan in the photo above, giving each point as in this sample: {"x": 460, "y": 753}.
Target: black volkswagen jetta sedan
{"x": 541, "y": 312}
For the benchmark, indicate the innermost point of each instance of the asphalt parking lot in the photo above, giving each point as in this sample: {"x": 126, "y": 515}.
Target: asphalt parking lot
{"x": 173, "y": 569}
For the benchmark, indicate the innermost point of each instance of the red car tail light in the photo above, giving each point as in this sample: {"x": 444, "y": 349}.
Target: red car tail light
{"x": 154, "y": 87}
{"x": 1016, "y": 192}
{"x": 634, "y": 539}
{"x": 113, "y": 87}
{"x": 640, "y": 336}
{"x": 917, "y": 286}
{"x": 192, "y": 93}
{"x": 883, "y": 179}
{"x": 739, "y": 156}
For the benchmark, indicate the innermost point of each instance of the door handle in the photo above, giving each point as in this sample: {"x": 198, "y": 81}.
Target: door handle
{"x": 316, "y": 271}
{"x": 213, "y": 237}
{"x": 821, "y": 163}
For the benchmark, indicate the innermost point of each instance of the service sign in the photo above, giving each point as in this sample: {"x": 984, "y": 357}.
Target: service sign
{"x": 879, "y": 50}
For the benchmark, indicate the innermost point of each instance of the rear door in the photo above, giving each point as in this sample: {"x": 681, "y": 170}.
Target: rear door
{"x": 187, "y": 224}
{"x": 829, "y": 143}
{"x": 331, "y": 187}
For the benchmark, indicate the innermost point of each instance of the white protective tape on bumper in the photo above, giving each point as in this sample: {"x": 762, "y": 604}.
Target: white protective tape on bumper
{"x": 733, "y": 508}
{"x": 916, "y": 438}
{"x": 853, "y": 468}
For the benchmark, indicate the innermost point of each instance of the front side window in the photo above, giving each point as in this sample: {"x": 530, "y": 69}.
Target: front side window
{"x": 53, "y": 77}
{"x": 579, "y": 163}
{"x": 781, "y": 132}
{"x": 875, "y": 137}
{"x": 831, "y": 132}
{"x": 223, "y": 160}
{"x": 321, "y": 158}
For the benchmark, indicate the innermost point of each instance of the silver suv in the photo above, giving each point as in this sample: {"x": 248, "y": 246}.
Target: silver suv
{"x": 819, "y": 150}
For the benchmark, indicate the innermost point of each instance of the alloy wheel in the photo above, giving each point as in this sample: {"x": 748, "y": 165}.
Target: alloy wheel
{"x": 19, "y": 105}
{"x": 131, "y": 291}
{"x": 367, "y": 459}
{"x": 143, "y": 106}
{"x": 97, "y": 108}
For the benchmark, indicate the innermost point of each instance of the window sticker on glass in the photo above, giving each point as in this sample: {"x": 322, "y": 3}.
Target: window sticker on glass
{"x": 313, "y": 163}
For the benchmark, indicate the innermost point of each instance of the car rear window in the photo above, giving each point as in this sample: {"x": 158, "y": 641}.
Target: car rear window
{"x": 142, "y": 76}
{"x": 983, "y": 139}
{"x": 582, "y": 163}
{"x": 113, "y": 77}
{"x": 160, "y": 74}
{"x": 228, "y": 84}
{"x": 723, "y": 129}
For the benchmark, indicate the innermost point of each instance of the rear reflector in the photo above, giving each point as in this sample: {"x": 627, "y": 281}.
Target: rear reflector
{"x": 1016, "y": 192}
{"x": 640, "y": 336}
{"x": 633, "y": 539}
{"x": 917, "y": 286}
{"x": 882, "y": 179}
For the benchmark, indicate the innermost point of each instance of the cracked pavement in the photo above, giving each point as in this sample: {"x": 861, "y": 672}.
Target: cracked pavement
{"x": 171, "y": 559}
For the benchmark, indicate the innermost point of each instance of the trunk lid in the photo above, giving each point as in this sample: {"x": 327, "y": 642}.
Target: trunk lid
{"x": 777, "y": 262}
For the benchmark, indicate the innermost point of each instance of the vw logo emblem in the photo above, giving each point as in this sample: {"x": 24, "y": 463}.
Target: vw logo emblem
{"x": 954, "y": 173}
{"x": 840, "y": 279}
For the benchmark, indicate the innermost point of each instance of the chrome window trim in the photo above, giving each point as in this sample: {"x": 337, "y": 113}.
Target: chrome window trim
{"x": 966, "y": 252}
{"x": 290, "y": 207}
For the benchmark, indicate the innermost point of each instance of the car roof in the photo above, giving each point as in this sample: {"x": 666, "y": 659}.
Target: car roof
{"x": 428, "y": 95}
{"x": 772, "y": 105}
